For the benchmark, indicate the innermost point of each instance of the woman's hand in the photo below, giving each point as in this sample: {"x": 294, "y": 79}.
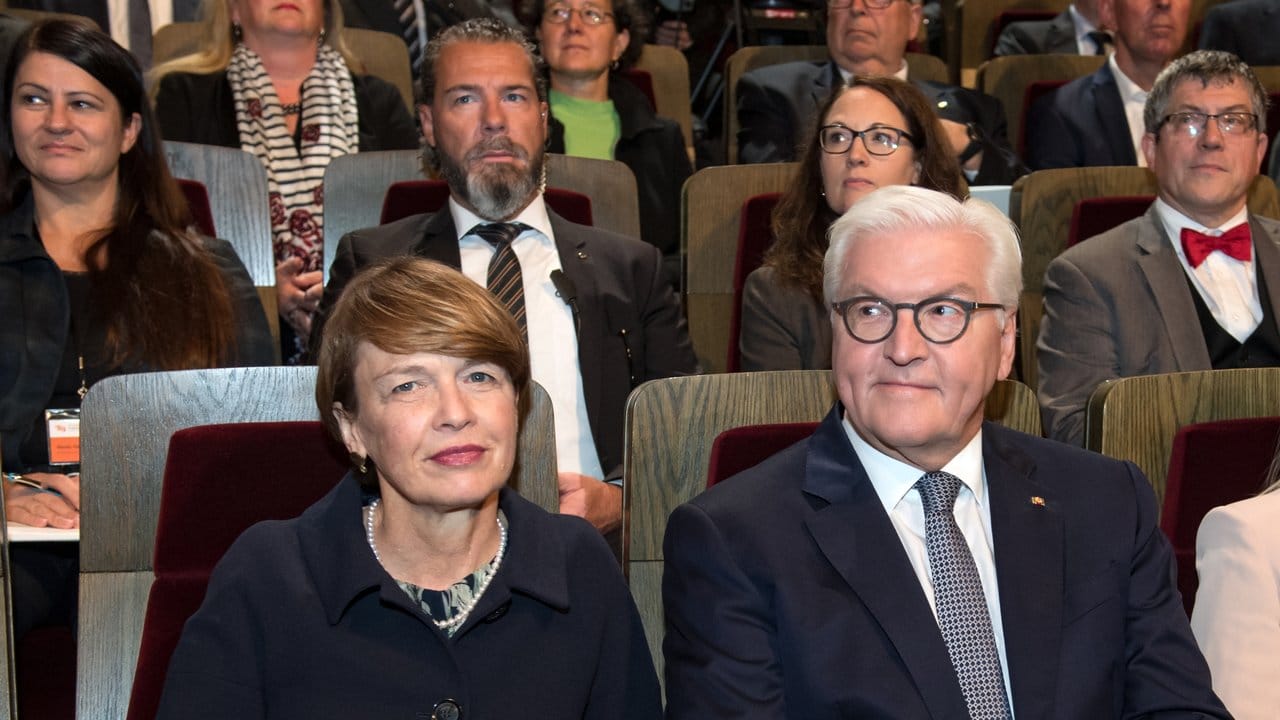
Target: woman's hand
{"x": 41, "y": 508}
{"x": 298, "y": 294}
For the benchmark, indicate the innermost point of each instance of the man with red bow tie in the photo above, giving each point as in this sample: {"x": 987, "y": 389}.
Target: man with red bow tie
{"x": 1194, "y": 283}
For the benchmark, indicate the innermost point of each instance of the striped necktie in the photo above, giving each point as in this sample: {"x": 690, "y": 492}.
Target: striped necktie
{"x": 414, "y": 30}
{"x": 503, "y": 278}
{"x": 962, "y": 607}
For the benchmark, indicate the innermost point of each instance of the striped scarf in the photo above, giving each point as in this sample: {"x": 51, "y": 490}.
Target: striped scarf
{"x": 329, "y": 128}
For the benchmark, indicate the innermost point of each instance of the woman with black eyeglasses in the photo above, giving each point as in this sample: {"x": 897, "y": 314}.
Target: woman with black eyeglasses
{"x": 870, "y": 133}
{"x": 595, "y": 113}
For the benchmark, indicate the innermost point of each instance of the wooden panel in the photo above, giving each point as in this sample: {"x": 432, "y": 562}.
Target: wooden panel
{"x": 646, "y": 590}
{"x": 354, "y": 186}
{"x": 237, "y": 187}
{"x": 112, "y": 608}
{"x": 711, "y": 210}
{"x": 1041, "y": 204}
{"x": 670, "y": 72}
{"x": 1136, "y": 418}
{"x": 609, "y": 183}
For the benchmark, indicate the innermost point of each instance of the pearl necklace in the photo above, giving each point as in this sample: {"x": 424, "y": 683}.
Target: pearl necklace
{"x": 464, "y": 613}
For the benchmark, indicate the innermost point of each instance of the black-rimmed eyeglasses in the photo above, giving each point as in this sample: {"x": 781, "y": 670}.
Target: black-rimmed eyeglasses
{"x": 837, "y": 138}
{"x": 1191, "y": 124}
{"x": 871, "y": 4}
{"x": 940, "y": 320}
{"x": 560, "y": 14}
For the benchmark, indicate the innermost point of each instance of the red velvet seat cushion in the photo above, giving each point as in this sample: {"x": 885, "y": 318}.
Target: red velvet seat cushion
{"x": 740, "y": 448}
{"x": 411, "y": 197}
{"x": 219, "y": 480}
{"x": 1212, "y": 464}
{"x": 755, "y": 235}
{"x": 198, "y": 201}
{"x": 1094, "y": 216}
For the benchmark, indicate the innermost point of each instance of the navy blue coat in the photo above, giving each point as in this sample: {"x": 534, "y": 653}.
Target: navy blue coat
{"x": 301, "y": 621}
{"x": 788, "y": 594}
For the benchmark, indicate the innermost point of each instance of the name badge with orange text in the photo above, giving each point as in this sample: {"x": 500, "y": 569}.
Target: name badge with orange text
{"x": 64, "y": 435}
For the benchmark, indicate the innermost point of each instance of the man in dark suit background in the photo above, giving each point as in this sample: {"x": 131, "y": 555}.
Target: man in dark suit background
{"x": 1074, "y": 31}
{"x": 908, "y": 560}
{"x": 867, "y": 37}
{"x": 1097, "y": 119}
{"x": 1248, "y": 28}
{"x": 10, "y": 28}
{"x": 1154, "y": 295}
{"x": 129, "y": 22}
{"x": 601, "y": 318}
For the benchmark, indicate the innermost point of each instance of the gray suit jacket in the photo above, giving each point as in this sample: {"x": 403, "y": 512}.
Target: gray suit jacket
{"x": 620, "y": 287}
{"x": 782, "y": 327}
{"x": 1119, "y": 305}
{"x": 1036, "y": 37}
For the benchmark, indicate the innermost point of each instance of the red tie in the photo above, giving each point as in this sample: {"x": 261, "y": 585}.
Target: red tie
{"x": 1234, "y": 242}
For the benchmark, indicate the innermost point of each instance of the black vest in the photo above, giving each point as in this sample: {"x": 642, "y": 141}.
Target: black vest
{"x": 1261, "y": 349}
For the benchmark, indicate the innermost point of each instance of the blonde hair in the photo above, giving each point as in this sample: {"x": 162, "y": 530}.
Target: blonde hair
{"x": 218, "y": 44}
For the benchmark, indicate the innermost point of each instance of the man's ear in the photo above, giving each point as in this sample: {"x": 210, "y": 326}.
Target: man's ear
{"x": 428, "y": 125}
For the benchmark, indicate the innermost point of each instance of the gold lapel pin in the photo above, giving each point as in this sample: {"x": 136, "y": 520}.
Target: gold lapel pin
{"x": 1037, "y": 501}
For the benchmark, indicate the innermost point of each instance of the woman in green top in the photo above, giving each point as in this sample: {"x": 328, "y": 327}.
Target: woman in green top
{"x": 597, "y": 113}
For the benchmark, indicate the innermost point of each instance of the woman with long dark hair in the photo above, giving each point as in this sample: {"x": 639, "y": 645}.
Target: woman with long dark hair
{"x": 99, "y": 271}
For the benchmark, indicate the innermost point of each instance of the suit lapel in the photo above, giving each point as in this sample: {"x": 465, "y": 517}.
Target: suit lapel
{"x": 1266, "y": 245}
{"x": 1172, "y": 294}
{"x": 1111, "y": 117}
{"x": 1061, "y": 35}
{"x": 856, "y": 536}
{"x": 578, "y": 266}
{"x": 1028, "y": 543}
{"x": 440, "y": 240}
{"x": 827, "y": 78}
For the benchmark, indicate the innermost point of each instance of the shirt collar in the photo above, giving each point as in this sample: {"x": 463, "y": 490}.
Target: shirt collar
{"x": 1128, "y": 89}
{"x": 893, "y": 479}
{"x": 1080, "y": 22}
{"x": 534, "y": 215}
{"x": 901, "y": 74}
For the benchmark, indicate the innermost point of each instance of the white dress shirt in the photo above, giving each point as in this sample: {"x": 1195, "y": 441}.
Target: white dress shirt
{"x": 1228, "y": 286}
{"x": 1134, "y": 99}
{"x": 118, "y": 13}
{"x": 1083, "y": 27}
{"x": 553, "y": 343}
{"x": 894, "y": 482}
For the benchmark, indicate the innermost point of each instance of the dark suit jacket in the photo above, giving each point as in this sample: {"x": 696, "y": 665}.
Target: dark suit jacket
{"x": 1081, "y": 124}
{"x": 776, "y": 104}
{"x": 1036, "y": 37}
{"x": 789, "y": 595}
{"x": 10, "y": 28}
{"x": 97, "y": 10}
{"x": 1247, "y": 28}
{"x": 620, "y": 287}
{"x": 1119, "y": 305}
{"x": 381, "y": 15}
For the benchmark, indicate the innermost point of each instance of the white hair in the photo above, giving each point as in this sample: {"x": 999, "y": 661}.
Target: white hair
{"x": 901, "y": 208}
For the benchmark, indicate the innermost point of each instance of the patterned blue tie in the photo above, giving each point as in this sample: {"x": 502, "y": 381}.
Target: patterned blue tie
{"x": 962, "y": 606}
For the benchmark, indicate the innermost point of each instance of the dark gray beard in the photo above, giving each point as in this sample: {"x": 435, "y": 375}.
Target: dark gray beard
{"x": 496, "y": 192}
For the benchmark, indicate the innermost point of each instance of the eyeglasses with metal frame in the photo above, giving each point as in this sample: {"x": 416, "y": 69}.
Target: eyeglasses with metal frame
{"x": 871, "y": 4}
{"x": 837, "y": 138}
{"x": 560, "y": 14}
{"x": 1191, "y": 124}
{"x": 940, "y": 320}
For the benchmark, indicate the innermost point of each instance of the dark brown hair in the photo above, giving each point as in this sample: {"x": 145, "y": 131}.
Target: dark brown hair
{"x": 802, "y": 216}
{"x": 160, "y": 293}
{"x": 412, "y": 305}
